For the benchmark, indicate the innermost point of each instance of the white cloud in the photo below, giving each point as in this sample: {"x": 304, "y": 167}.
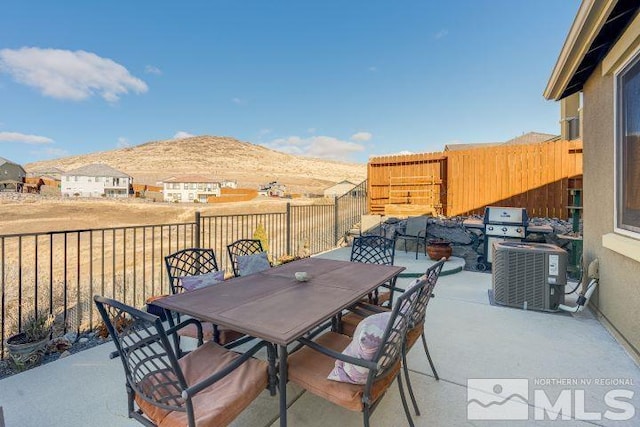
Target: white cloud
{"x": 361, "y": 136}
{"x": 441, "y": 34}
{"x": 65, "y": 74}
{"x": 123, "y": 142}
{"x": 238, "y": 101}
{"x": 50, "y": 152}
{"x": 326, "y": 147}
{"x": 264, "y": 132}
{"x": 311, "y": 130}
{"x": 150, "y": 69}
{"x": 373, "y": 68}
{"x": 182, "y": 134}
{"x": 24, "y": 138}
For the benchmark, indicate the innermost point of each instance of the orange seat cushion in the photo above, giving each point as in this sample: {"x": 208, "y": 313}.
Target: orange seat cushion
{"x": 309, "y": 369}
{"x": 225, "y": 335}
{"x": 220, "y": 403}
{"x": 383, "y": 297}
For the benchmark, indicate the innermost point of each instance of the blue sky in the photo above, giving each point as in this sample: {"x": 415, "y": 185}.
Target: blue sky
{"x": 336, "y": 79}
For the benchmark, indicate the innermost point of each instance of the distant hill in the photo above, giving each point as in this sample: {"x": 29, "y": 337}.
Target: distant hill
{"x": 217, "y": 157}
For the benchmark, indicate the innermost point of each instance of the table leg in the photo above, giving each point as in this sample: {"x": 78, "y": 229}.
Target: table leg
{"x": 283, "y": 385}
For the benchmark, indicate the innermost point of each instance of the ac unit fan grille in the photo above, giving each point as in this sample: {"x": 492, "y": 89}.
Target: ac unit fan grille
{"x": 518, "y": 276}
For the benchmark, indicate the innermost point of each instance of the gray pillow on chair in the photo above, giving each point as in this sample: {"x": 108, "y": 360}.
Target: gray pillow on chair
{"x": 250, "y": 264}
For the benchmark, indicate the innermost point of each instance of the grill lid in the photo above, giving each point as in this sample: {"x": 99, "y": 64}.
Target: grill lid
{"x": 502, "y": 215}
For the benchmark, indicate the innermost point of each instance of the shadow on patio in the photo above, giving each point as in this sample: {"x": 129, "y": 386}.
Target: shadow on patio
{"x": 468, "y": 338}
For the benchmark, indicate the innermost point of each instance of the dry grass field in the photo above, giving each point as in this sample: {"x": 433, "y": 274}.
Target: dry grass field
{"x": 35, "y": 215}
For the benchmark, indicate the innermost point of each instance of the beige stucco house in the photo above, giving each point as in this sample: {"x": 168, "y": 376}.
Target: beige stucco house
{"x": 189, "y": 188}
{"x": 601, "y": 60}
{"x": 339, "y": 189}
{"x": 95, "y": 180}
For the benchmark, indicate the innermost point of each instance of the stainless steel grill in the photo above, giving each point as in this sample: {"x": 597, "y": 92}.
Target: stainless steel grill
{"x": 503, "y": 224}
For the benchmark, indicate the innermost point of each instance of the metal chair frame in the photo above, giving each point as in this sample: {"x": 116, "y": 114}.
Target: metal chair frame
{"x": 387, "y": 356}
{"x": 420, "y": 238}
{"x": 375, "y": 250}
{"x": 189, "y": 262}
{"x": 150, "y": 360}
{"x": 417, "y": 319}
{"x": 242, "y": 247}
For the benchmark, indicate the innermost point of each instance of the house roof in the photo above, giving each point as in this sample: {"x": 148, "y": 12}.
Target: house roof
{"x": 595, "y": 29}
{"x": 530, "y": 138}
{"x": 527, "y": 138}
{"x": 97, "y": 169}
{"x": 459, "y": 147}
{"x": 190, "y": 178}
{"x": 340, "y": 183}
{"x": 47, "y": 170}
{"x": 3, "y": 161}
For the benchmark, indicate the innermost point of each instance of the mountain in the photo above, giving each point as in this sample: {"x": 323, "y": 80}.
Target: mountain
{"x": 216, "y": 157}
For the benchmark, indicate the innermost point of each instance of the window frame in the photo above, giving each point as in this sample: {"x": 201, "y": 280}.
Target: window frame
{"x": 632, "y": 61}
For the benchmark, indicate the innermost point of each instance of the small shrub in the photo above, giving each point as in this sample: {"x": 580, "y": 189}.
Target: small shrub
{"x": 38, "y": 326}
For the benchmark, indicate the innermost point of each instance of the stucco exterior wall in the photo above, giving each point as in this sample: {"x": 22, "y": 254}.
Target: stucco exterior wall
{"x": 618, "y": 295}
{"x": 86, "y": 186}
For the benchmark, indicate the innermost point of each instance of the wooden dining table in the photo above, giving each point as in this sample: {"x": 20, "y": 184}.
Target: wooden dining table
{"x": 272, "y": 305}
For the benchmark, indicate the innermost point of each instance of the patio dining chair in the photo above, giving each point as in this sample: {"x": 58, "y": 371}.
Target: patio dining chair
{"x": 242, "y": 247}
{"x": 196, "y": 262}
{"x": 415, "y": 231}
{"x": 350, "y": 321}
{"x": 209, "y": 386}
{"x": 356, "y": 373}
{"x": 375, "y": 250}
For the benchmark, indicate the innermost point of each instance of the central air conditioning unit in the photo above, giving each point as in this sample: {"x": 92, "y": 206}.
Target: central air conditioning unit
{"x": 529, "y": 275}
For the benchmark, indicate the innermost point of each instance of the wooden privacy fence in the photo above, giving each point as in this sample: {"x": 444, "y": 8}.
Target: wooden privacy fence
{"x": 534, "y": 176}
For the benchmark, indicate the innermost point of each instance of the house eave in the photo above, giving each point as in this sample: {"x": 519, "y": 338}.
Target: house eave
{"x": 587, "y": 24}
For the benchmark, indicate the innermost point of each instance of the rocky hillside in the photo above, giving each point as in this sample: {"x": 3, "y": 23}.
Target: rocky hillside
{"x": 218, "y": 157}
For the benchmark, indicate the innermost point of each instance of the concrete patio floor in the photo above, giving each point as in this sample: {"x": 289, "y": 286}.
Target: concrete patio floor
{"x": 559, "y": 354}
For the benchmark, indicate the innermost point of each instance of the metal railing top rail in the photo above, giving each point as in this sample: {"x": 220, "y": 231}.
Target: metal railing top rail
{"x": 86, "y": 230}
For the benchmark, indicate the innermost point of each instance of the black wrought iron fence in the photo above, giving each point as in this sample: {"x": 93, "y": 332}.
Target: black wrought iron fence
{"x": 60, "y": 271}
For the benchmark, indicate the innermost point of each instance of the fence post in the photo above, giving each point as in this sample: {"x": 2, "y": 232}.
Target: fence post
{"x": 288, "y": 236}
{"x": 335, "y": 220}
{"x": 196, "y": 231}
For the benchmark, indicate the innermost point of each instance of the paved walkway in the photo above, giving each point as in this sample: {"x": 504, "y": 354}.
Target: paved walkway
{"x": 468, "y": 338}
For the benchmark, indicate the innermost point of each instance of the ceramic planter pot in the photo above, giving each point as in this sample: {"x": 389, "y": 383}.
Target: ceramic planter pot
{"x": 438, "y": 249}
{"x": 26, "y": 354}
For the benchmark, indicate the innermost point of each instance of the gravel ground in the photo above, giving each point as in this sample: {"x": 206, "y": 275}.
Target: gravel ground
{"x": 83, "y": 342}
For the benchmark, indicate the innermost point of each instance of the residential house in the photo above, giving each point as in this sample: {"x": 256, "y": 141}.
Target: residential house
{"x": 273, "y": 189}
{"x": 50, "y": 176}
{"x": 600, "y": 60}
{"x": 228, "y": 183}
{"x": 190, "y": 188}
{"x": 11, "y": 175}
{"x": 339, "y": 189}
{"x": 96, "y": 180}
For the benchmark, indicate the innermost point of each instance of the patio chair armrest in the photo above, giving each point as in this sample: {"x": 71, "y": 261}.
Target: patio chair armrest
{"x": 174, "y": 329}
{"x": 337, "y": 355}
{"x": 196, "y": 388}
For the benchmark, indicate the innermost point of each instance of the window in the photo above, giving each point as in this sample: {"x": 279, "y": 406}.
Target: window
{"x": 628, "y": 147}
{"x": 186, "y": 186}
{"x": 98, "y": 179}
